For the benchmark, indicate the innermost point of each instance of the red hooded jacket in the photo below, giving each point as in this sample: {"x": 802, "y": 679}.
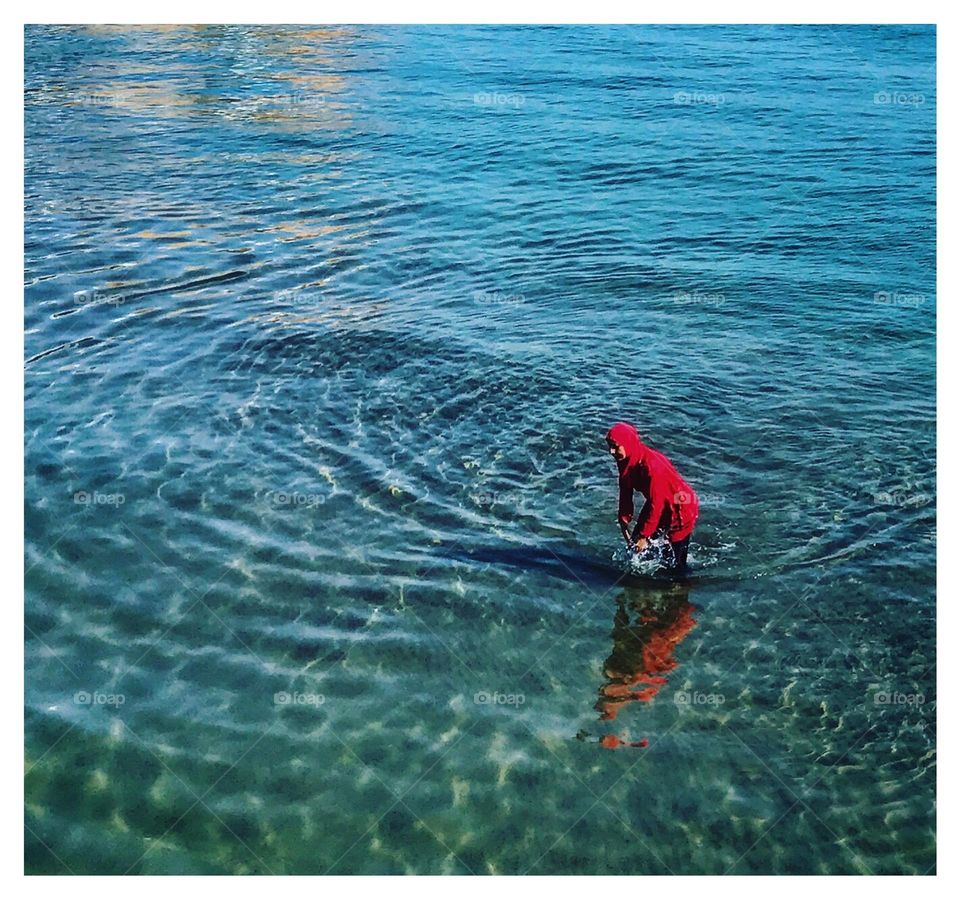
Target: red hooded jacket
{"x": 670, "y": 503}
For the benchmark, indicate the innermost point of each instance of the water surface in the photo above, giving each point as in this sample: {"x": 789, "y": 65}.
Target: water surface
{"x": 324, "y": 327}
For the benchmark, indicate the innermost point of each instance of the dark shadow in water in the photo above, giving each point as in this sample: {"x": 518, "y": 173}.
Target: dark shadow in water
{"x": 572, "y": 563}
{"x": 648, "y": 625}
{"x": 554, "y": 560}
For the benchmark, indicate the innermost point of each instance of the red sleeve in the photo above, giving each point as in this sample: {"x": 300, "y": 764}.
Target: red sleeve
{"x": 625, "y": 512}
{"x": 658, "y": 500}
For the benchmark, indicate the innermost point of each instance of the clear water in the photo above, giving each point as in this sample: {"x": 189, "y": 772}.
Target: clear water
{"x": 324, "y": 327}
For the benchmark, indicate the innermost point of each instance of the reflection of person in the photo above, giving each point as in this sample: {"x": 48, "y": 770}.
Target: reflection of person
{"x": 671, "y": 505}
{"x": 642, "y": 654}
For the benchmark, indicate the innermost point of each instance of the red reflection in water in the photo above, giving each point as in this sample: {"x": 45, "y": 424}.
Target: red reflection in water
{"x": 642, "y": 653}
{"x": 612, "y": 741}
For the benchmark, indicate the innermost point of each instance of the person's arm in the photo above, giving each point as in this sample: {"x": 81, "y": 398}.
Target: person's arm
{"x": 639, "y": 541}
{"x": 650, "y": 513}
{"x": 625, "y": 511}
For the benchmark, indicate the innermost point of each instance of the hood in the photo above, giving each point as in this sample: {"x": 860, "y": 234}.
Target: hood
{"x": 627, "y": 436}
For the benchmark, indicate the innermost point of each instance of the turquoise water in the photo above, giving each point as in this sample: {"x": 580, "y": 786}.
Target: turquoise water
{"x": 324, "y": 328}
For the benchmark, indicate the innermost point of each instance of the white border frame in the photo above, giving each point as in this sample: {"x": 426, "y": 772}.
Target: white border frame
{"x": 491, "y": 11}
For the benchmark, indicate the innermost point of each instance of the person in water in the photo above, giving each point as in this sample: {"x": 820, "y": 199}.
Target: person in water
{"x": 671, "y": 506}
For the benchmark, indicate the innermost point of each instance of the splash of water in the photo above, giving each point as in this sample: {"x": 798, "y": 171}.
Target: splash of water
{"x": 648, "y": 562}
{"x": 653, "y": 559}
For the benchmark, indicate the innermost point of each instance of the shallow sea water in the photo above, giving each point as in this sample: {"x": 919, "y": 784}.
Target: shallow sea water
{"x": 324, "y": 328}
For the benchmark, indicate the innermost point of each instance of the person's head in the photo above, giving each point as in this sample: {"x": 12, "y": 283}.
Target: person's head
{"x": 623, "y": 443}
{"x": 616, "y": 449}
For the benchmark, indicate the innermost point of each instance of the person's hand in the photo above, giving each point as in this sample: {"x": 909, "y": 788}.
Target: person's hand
{"x": 640, "y": 545}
